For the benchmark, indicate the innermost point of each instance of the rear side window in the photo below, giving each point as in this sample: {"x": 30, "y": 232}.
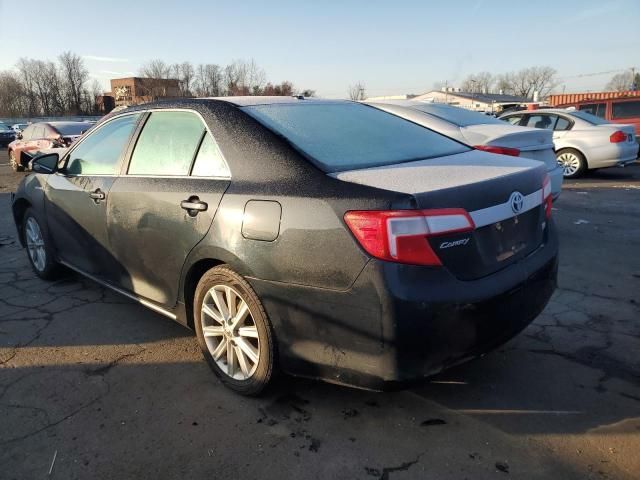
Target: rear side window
{"x": 100, "y": 152}
{"x": 38, "y": 132}
{"x": 209, "y": 161}
{"x": 563, "y": 124}
{"x": 167, "y": 144}
{"x": 546, "y": 122}
{"x": 27, "y": 132}
{"x": 597, "y": 109}
{"x": 346, "y": 136}
{"x": 625, "y": 110}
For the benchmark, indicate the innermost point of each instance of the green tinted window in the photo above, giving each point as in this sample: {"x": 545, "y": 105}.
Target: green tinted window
{"x": 209, "y": 162}
{"x": 99, "y": 153}
{"x": 167, "y": 144}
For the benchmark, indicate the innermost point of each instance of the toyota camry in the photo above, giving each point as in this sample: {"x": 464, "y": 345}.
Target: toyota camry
{"x": 320, "y": 238}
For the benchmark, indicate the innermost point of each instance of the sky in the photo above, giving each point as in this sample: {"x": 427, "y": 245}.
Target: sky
{"x": 392, "y": 47}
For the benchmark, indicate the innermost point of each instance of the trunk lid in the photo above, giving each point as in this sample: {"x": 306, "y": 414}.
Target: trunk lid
{"x": 508, "y": 226}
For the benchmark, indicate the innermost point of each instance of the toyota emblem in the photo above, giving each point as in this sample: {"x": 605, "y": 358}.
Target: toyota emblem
{"x": 517, "y": 202}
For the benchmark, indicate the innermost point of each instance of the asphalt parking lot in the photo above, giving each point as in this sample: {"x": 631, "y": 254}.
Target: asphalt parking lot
{"x": 94, "y": 386}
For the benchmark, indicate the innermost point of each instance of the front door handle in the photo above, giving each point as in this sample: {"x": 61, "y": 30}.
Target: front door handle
{"x": 97, "y": 195}
{"x": 194, "y": 205}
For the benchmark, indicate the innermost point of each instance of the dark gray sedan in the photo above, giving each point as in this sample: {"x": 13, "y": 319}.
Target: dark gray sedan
{"x": 327, "y": 239}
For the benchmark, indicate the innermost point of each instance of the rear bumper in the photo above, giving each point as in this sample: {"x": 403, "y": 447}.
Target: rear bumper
{"x": 400, "y": 323}
{"x": 612, "y": 155}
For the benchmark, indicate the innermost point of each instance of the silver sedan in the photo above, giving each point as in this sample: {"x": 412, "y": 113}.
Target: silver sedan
{"x": 481, "y": 131}
{"x": 582, "y": 141}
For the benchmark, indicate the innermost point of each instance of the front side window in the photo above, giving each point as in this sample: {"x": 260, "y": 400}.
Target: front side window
{"x": 626, "y": 110}
{"x": 344, "y": 136}
{"x": 167, "y": 144}
{"x": 546, "y": 122}
{"x": 100, "y": 152}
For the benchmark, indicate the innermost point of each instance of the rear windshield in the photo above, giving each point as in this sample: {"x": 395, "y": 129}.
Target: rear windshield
{"x": 587, "y": 117}
{"x": 72, "y": 128}
{"x": 458, "y": 116}
{"x": 346, "y": 136}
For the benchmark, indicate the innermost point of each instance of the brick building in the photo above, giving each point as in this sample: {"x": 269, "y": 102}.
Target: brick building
{"x": 136, "y": 90}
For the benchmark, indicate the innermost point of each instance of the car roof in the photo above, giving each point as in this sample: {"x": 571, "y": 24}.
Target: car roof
{"x": 246, "y": 101}
{"x": 540, "y": 110}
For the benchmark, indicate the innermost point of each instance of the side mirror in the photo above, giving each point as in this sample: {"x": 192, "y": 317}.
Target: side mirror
{"x": 19, "y": 135}
{"x": 45, "y": 163}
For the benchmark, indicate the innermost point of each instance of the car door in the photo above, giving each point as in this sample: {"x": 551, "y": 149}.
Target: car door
{"x": 77, "y": 196}
{"x": 165, "y": 203}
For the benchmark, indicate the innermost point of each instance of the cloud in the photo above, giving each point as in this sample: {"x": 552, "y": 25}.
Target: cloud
{"x": 105, "y": 59}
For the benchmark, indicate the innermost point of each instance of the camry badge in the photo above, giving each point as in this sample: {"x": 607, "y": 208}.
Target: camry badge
{"x": 517, "y": 202}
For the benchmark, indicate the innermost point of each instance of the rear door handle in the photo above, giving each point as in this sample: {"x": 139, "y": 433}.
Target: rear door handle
{"x": 194, "y": 205}
{"x": 97, "y": 195}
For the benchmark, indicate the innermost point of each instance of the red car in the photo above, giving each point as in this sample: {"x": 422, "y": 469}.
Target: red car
{"x": 43, "y": 136}
{"x": 615, "y": 110}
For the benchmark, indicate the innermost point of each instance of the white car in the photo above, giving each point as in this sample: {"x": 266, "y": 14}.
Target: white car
{"x": 583, "y": 141}
{"x": 480, "y": 131}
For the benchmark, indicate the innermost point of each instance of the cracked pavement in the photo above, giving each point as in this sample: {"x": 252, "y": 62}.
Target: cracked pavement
{"x": 121, "y": 392}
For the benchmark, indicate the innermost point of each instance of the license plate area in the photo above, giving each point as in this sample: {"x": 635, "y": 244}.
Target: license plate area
{"x": 510, "y": 237}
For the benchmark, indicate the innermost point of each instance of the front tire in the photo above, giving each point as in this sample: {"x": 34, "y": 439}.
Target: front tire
{"x": 14, "y": 162}
{"x": 572, "y": 162}
{"x": 39, "y": 248}
{"x": 234, "y": 333}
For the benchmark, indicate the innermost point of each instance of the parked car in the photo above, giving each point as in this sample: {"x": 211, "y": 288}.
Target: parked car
{"x": 482, "y": 132}
{"x": 328, "y": 239}
{"x": 7, "y": 135}
{"x": 615, "y": 110}
{"x": 42, "y": 136}
{"x": 582, "y": 141}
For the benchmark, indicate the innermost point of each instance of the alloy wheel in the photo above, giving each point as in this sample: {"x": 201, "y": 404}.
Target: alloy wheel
{"x": 230, "y": 332}
{"x": 569, "y": 162}
{"x": 35, "y": 244}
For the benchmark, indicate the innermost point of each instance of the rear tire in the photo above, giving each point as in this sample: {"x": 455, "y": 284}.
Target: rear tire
{"x": 39, "y": 249}
{"x": 15, "y": 163}
{"x": 234, "y": 333}
{"x": 572, "y": 162}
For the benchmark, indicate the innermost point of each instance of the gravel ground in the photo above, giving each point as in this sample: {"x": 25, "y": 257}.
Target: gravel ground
{"x": 94, "y": 386}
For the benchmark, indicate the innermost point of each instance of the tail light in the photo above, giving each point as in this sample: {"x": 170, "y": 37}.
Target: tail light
{"x": 546, "y": 196}
{"x": 512, "y": 152}
{"x": 617, "y": 137}
{"x": 402, "y": 235}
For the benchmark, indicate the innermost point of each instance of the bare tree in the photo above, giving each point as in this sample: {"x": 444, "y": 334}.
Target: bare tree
{"x": 526, "y": 82}
{"x": 357, "y": 92}
{"x": 153, "y": 73}
{"x": 307, "y": 92}
{"x": 482, "y": 82}
{"x": 243, "y": 77}
{"x": 208, "y": 80}
{"x": 74, "y": 75}
{"x": 621, "y": 82}
{"x": 27, "y": 77}
{"x": 11, "y": 95}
